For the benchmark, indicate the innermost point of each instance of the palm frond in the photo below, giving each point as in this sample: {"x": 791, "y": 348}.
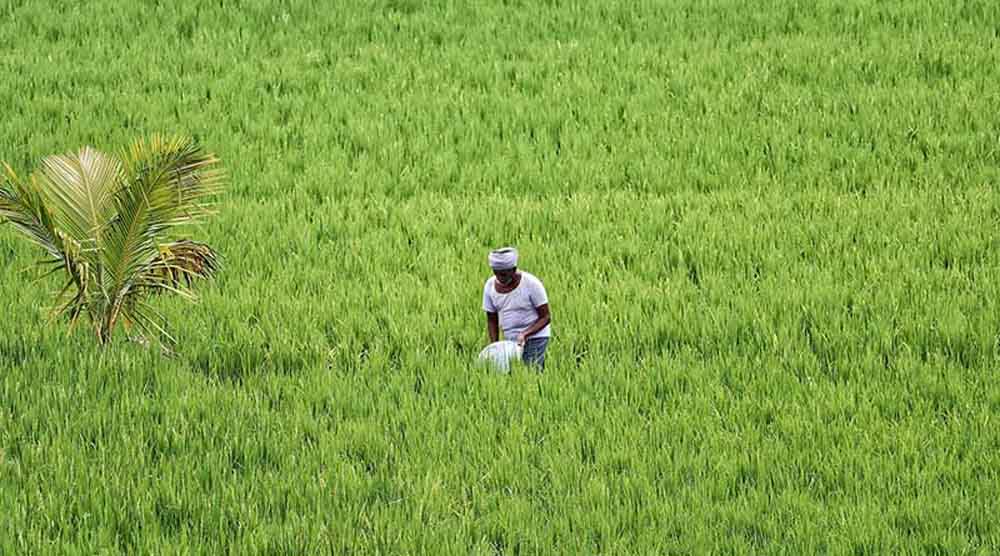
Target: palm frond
{"x": 23, "y": 206}
{"x": 190, "y": 173}
{"x": 168, "y": 182}
{"x": 180, "y": 263}
{"x": 80, "y": 188}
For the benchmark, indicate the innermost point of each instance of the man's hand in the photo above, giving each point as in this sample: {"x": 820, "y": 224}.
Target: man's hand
{"x": 521, "y": 339}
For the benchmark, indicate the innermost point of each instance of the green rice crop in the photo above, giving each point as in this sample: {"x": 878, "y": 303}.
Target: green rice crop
{"x": 768, "y": 231}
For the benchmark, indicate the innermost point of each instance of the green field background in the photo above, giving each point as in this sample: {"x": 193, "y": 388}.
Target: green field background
{"x": 768, "y": 230}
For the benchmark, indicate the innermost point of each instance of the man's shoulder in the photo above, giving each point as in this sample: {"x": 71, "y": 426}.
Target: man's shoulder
{"x": 530, "y": 278}
{"x": 489, "y": 282}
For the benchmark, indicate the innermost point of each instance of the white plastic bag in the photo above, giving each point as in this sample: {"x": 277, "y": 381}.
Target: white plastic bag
{"x": 500, "y": 354}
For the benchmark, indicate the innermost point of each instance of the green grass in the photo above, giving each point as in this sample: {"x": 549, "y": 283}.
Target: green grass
{"x": 769, "y": 234}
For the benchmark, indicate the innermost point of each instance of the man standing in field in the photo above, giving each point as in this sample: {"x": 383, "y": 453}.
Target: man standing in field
{"x": 517, "y": 303}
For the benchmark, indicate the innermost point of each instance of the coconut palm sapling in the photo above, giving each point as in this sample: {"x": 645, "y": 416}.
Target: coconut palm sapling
{"x": 110, "y": 224}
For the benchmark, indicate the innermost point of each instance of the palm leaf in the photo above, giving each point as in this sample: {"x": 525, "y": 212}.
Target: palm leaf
{"x": 179, "y": 263}
{"x": 79, "y": 189}
{"x": 23, "y": 207}
{"x": 190, "y": 173}
{"x": 168, "y": 183}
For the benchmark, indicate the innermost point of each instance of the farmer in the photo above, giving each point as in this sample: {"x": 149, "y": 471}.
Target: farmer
{"x": 516, "y": 302}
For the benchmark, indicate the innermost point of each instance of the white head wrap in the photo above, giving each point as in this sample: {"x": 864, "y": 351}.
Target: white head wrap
{"x": 504, "y": 258}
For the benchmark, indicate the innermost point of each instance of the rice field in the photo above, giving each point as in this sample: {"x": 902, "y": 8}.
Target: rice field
{"x": 768, "y": 232}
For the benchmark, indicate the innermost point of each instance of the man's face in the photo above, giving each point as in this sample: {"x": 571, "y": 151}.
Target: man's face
{"x": 505, "y": 276}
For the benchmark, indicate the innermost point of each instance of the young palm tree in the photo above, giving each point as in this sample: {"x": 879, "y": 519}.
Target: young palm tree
{"x": 109, "y": 223}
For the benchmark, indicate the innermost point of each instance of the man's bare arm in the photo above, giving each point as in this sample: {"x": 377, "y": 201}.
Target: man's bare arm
{"x": 544, "y": 318}
{"x": 493, "y": 326}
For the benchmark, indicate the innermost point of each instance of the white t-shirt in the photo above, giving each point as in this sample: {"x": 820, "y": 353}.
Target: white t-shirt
{"x": 519, "y": 308}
